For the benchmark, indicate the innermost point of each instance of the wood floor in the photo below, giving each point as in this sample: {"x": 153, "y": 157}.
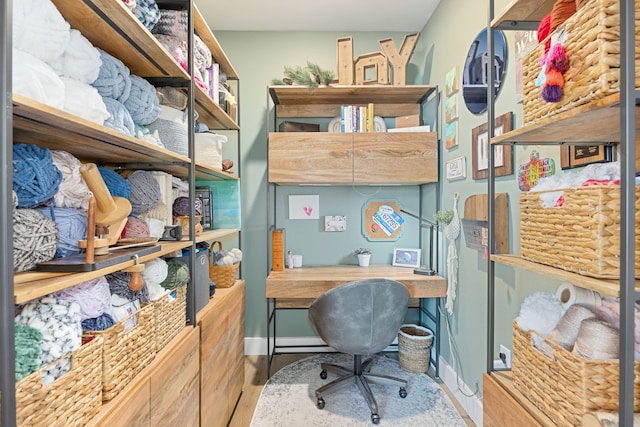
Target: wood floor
{"x": 255, "y": 376}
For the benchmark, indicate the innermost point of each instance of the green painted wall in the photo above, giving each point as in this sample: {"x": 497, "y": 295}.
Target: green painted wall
{"x": 260, "y": 56}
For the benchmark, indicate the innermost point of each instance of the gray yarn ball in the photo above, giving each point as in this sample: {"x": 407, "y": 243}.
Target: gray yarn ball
{"x": 145, "y": 192}
{"x": 34, "y": 239}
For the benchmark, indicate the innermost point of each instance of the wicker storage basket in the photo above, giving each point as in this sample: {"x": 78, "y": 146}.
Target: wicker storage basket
{"x": 224, "y": 276}
{"x": 129, "y": 346}
{"x": 593, "y": 48}
{"x": 562, "y": 385}
{"x": 582, "y": 236}
{"x": 71, "y": 400}
{"x": 414, "y": 348}
{"x": 170, "y": 313}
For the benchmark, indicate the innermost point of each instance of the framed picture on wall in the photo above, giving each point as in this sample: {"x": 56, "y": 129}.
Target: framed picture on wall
{"x": 581, "y": 155}
{"x": 503, "y": 154}
{"x": 403, "y": 257}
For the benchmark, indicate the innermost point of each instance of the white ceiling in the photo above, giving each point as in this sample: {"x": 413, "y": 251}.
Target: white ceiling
{"x": 322, "y": 15}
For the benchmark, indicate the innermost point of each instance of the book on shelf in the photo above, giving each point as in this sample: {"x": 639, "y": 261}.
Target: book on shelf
{"x": 356, "y": 118}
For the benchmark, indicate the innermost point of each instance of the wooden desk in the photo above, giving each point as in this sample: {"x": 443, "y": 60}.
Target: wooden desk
{"x": 298, "y": 287}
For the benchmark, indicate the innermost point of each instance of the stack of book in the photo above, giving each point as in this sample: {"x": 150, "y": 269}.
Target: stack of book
{"x": 356, "y": 118}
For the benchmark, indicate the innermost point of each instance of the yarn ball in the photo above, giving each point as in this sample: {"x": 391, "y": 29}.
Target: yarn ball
{"x": 93, "y": 296}
{"x": 119, "y": 285}
{"x": 155, "y": 271}
{"x": 182, "y": 206}
{"x": 72, "y": 191}
{"x": 28, "y": 351}
{"x": 551, "y": 93}
{"x": 34, "y": 239}
{"x": 177, "y": 274}
{"x": 561, "y": 11}
{"x": 160, "y": 212}
{"x": 116, "y": 184}
{"x": 147, "y": 12}
{"x": 114, "y": 80}
{"x": 145, "y": 191}
{"x": 72, "y": 226}
{"x": 143, "y": 103}
{"x": 544, "y": 28}
{"x": 119, "y": 117}
{"x": 100, "y": 323}
{"x": 172, "y": 97}
{"x": 156, "y": 227}
{"x": 135, "y": 227}
{"x": 35, "y": 177}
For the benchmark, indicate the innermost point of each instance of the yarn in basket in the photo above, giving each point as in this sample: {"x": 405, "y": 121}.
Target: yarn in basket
{"x": 35, "y": 177}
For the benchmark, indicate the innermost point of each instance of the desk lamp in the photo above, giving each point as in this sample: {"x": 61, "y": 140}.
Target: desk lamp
{"x": 424, "y": 223}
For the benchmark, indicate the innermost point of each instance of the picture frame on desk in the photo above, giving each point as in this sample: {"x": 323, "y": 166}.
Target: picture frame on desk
{"x": 406, "y": 257}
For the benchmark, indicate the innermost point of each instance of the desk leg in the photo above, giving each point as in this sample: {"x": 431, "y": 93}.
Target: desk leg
{"x": 435, "y": 318}
{"x": 271, "y": 318}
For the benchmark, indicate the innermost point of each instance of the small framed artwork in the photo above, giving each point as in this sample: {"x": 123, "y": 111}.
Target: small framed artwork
{"x": 456, "y": 168}
{"x": 451, "y": 109}
{"x": 581, "y": 155}
{"x": 403, "y": 257}
{"x": 451, "y": 135}
{"x": 304, "y": 207}
{"x": 503, "y": 157}
{"x": 451, "y": 81}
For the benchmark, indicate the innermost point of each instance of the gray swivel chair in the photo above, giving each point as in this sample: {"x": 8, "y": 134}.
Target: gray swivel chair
{"x": 360, "y": 318}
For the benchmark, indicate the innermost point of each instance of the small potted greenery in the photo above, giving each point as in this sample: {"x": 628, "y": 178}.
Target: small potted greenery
{"x": 364, "y": 256}
{"x": 444, "y": 216}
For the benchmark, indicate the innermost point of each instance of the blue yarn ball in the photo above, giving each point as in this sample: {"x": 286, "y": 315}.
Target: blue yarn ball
{"x": 72, "y": 226}
{"x": 100, "y": 323}
{"x": 119, "y": 117}
{"x": 147, "y": 12}
{"x": 143, "y": 103}
{"x": 117, "y": 185}
{"x": 114, "y": 80}
{"x": 35, "y": 177}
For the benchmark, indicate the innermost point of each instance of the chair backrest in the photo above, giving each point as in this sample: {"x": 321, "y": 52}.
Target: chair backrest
{"x": 361, "y": 317}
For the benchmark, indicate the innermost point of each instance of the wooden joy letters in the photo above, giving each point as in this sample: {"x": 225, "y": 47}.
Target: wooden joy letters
{"x": 375, "y": 67}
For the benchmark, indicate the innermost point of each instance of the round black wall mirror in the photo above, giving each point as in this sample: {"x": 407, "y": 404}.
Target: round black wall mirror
{"x": 476, "y": 70}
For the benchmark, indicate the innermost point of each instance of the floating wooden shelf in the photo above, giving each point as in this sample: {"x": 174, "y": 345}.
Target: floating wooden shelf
{"x": 523, "y": 10}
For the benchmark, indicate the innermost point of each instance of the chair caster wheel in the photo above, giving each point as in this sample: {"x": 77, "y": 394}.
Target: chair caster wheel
{"x": 375, "y": 418}
{"x": 320, "y": 403}
{"x": 403, "y": 392}
{"x": 323, "y": 374}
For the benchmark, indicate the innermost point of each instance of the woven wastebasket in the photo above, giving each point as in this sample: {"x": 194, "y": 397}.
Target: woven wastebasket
{"x": 414, "y": 348}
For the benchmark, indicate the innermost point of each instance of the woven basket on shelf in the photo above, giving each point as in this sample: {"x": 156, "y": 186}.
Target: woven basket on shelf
{"x": 581, "y": 236}
{"x": 170, "y": 312}
{"x": 224, "y": 276}
{"x": 592, "y": 46}
{"x": 414, "y": 348}
{"x": 129, "y": 346}
{"x": 563, "y": 385}
{"x": 71, "y": 400}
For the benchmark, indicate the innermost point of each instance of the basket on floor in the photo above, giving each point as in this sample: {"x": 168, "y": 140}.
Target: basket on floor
{"x": 414, "y": 348}
{"x": 129, "y": 346}
{"x": 224, "y": 276}
{"x": 72, "y": 399}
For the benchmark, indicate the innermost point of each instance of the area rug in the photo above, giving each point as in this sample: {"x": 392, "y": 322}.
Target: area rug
{"x": 288, "y": 398}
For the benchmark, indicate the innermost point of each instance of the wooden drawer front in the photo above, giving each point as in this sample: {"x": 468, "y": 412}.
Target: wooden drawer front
{"x": 130, "y": 412}
{"x": 399, "y": 158}
{"x": 175, "y": 385}
{"x": 500, "y": 409}
{"x": 310, "y": 157}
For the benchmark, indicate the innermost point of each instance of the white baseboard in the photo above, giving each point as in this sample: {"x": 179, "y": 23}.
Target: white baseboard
{"x": 465, "y": 397}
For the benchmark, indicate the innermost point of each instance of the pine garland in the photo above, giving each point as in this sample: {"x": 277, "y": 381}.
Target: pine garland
{"x": 311, "y": 75}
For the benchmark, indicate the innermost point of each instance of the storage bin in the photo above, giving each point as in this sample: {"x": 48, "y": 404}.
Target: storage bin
{"x": 170, "y": 315}
{"x": 581, "y": 236}
{"x": 593, "y": 49}
{"x": 414, "y": 348}
{"x": 71, "y": 400}
{"x": 562, "y": 385}
{"x": 172, "y": 127}
{"x": 224, "y": 276}
{"x": 209, "y": 148}
{"x": 129, "y": 346}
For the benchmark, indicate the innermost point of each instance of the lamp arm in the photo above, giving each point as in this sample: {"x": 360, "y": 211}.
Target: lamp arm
{"x": 422, "y": 220}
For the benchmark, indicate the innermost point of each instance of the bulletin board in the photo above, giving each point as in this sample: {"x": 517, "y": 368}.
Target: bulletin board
{"x": 381, "y": 220}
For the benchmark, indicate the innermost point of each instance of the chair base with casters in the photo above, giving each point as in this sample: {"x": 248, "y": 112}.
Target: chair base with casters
{"x": 362, "y": 376}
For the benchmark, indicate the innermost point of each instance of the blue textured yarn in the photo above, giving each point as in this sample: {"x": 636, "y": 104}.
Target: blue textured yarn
{"x": 120, "y": 118}
{"x": 100, "y": 323}
{"x": 116, "y": 184}
{"x": 145, "y": 192}
{"x": 72, "y": 226}
{"x": 113, "y": 80}
{"x": 143, "y": 103}
{"x": 147, "y": 12}
{"x": 35, "y": 177}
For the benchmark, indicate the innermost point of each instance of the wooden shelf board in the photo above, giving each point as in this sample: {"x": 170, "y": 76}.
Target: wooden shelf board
{"x": 204, "y": 32}
{"x": 30, "y": 285}
{"x": 37, "y": 123}
{"x": 523, "y": 10}
{"x": 505, "y": 380}
{"x": 609, "y": 287}
{"x": 600, "y": 120}
{"x": 361, "y": 94}
{"x": 209, "y": 235}
{"x": 210, "y": 113}
{"x": 111, "y": 26}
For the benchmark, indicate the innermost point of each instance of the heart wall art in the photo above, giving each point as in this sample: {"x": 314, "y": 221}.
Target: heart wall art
{"x": 304, "y": 207}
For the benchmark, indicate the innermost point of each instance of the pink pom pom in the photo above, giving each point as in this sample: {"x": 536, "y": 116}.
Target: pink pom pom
{"x": 551, "y": 93}
{"x": 557, "y": 58}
